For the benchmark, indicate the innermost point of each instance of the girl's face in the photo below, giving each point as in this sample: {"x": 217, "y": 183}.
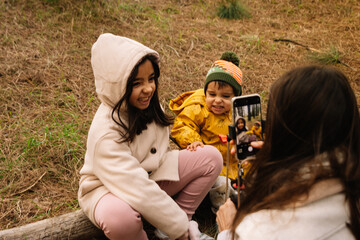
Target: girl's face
{"x": 143, "y": 87}
{"x": 218, "y": 100}
{"x": 240, "y": 124}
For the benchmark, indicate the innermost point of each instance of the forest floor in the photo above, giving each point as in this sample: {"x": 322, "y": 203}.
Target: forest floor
{"x": 47, "y": 93}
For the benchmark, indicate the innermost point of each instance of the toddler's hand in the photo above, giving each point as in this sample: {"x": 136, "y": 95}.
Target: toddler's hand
{"x": 194, "y": 145}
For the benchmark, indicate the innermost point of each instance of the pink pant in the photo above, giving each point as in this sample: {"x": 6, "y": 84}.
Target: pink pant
{"x": 198, "y": 171}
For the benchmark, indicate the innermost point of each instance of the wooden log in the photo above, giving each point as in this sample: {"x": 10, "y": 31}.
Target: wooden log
{"x": 74, "y": 225}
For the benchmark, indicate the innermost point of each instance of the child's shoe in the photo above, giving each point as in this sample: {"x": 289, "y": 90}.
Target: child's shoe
{"x": 217, "y": 193}
{"x": 194, "y": 232}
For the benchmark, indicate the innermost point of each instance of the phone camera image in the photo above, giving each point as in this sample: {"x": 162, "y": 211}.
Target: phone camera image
{"x": 247, "y": 122}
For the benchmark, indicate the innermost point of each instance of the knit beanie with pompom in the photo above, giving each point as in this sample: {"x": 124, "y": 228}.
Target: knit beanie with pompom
{"x": 226, "y": 70}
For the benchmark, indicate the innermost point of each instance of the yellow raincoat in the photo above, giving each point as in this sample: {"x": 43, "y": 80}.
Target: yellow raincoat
{"x": 194, "y": 122}
{"x": 257, "y": 132}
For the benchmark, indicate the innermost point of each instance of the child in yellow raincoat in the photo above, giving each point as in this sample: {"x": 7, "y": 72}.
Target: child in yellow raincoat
{"x": 205, "y": 113}
{"x": 256, "y": 130}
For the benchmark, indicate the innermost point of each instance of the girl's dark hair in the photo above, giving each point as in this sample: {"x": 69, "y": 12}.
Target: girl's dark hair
{"x": 312, "y": 114}
{"x": 138, "y": 119}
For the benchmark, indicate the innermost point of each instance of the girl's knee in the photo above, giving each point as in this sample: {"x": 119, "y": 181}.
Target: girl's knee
{"x": 117, "y": 219}
{"x": 125, "y": 229}
{"x": 214, "y": 157}
{"x": 117, "y": 226}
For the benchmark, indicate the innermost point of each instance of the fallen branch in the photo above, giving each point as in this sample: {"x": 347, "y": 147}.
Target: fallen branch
{"x": 74, "y": 225}
{"x": 296, "y": 43}
{"x": 310, "y": 49}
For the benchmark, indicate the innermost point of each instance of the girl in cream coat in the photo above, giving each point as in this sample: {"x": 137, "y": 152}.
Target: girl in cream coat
{"x": 130, "y": 172}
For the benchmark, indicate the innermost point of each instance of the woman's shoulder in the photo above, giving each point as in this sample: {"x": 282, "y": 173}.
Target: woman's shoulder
{"x": 306, "y": 222}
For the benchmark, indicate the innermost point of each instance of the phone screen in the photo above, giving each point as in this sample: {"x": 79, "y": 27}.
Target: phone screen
{"x": 247, "y": 121}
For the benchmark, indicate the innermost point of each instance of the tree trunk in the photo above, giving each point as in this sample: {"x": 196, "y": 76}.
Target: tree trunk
{"x": 73, "y": 225}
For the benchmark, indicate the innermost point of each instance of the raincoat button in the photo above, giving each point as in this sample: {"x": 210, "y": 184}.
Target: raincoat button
{"x": 153, "y": 150}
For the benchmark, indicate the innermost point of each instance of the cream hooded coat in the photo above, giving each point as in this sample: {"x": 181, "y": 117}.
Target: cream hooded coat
{"x": 127, "y": 170}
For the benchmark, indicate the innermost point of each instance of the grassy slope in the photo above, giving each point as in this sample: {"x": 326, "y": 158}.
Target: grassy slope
{"x": 46, "y": 83}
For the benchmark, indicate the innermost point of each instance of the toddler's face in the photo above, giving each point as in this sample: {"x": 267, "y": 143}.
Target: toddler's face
{"x": 218, "y": 100}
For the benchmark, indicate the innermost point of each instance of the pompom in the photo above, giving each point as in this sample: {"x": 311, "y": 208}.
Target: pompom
{"x": 230, "y": 57}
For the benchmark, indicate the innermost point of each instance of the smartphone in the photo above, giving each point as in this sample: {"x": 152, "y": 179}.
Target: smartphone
{"x": 247, "y": 120}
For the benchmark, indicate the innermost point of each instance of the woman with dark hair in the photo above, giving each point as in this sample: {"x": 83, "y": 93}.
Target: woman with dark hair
{"x": 305, "y": 181}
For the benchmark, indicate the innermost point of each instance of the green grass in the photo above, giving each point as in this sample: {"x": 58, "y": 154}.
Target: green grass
{"x": 330, "y": 56}
{"x": 233, "y": 9}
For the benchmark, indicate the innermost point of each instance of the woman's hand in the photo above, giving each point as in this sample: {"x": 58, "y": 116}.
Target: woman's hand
{"x": 254, "y": 144}
{"x": 233, "y": 148}
{"x": 194, "y": 145}
{"x": 225, "y": 215}
{"x": 257, "y": 144}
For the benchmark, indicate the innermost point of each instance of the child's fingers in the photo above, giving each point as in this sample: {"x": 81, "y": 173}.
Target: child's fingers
{"x": 191, "y": 147}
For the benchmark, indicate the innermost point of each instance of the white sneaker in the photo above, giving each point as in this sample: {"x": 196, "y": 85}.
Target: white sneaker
{"x": 194, "y": 233}
{"x": 217, "y": 193}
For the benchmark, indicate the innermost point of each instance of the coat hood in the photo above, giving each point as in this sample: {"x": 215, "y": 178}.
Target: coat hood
{"x": 186, "y": 99}
{"x": 112, "y": 60}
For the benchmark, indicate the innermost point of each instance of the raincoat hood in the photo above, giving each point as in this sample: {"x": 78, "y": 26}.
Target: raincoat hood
{"x": 112, "y": 59}
{"x": 187, "y": 99}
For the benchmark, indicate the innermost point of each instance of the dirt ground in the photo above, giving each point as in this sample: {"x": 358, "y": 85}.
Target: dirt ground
{"x": 47, "y": 92}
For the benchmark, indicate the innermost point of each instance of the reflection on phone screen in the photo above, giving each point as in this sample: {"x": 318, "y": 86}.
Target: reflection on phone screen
{"x": 248, "y": 128}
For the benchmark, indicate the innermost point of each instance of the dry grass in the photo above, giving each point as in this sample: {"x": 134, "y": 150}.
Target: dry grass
{"x": 47, "y": 88}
